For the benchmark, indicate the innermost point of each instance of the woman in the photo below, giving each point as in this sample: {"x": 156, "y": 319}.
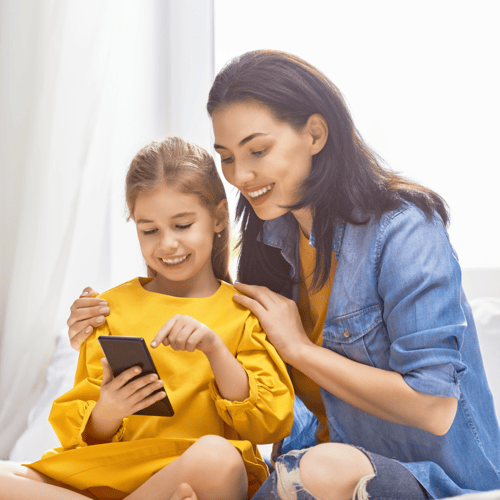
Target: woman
{"x": 351, "y": 273}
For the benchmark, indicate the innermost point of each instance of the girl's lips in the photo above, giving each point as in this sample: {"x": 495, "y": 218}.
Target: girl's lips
{"x": 176, "y": 264}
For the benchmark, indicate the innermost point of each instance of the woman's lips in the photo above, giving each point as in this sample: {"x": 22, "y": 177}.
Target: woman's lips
{"x": 257, "y": 196}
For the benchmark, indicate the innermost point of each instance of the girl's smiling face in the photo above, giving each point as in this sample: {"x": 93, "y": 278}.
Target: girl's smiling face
{"x": 266, "y": 159}
{"x": 176, "y": 234}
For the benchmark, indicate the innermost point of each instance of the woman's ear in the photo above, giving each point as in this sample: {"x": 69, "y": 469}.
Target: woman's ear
{"x": 221, "y": 216}
{"x": 318, "y": 128}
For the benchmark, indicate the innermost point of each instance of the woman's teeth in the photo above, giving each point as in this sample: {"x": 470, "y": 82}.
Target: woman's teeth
{"x": 171, "y": 262}
{"x": 262, "y": 191}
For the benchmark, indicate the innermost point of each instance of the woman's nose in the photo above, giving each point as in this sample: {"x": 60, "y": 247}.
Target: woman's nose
{"x": 238, "y": 174}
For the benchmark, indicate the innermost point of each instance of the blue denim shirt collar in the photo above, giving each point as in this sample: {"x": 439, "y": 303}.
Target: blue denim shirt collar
{"x": 282, "y": 233}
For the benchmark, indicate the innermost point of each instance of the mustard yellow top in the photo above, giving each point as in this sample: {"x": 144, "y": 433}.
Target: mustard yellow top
{"x": 312, "y": 308}
{"x": 145, "y": 444}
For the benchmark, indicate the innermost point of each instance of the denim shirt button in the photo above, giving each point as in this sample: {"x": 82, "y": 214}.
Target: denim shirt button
{"x": 346, "y": 334}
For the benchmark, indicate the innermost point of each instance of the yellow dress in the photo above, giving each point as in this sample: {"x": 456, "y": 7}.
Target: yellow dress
{"x": 144, "y": 444}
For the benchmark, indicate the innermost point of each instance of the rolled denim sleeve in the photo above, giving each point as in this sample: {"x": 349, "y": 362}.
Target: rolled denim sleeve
{"x": 419, "y": 281}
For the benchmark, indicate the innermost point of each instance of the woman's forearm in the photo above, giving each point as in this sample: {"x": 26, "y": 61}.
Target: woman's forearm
{"x": 381, "y": 393}
{"x": 231, "y": 377}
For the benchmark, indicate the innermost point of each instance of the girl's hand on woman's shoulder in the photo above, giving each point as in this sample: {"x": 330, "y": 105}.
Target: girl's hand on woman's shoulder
{"x": 278, "y": 316}
{"x": 87, "y": 313}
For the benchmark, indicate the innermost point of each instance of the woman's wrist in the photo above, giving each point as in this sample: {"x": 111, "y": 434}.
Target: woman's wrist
{"x": 299, "y": 353}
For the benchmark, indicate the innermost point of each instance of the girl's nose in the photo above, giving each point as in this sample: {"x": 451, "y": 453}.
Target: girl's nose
{"x": 169, "y": 243}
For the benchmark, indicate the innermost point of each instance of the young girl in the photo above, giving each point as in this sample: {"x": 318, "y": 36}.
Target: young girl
{"x": 226, "y": 383}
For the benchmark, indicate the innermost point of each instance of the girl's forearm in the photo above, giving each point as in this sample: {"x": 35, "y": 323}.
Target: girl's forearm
{"x": 231, "y": 377}
{"x": 381, "y": 393}
{"x": 100, "y": 428}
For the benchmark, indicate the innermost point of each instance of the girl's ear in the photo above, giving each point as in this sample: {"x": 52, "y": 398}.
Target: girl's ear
{"x": 318, "y": 128}
{"x": 221, "y": 216}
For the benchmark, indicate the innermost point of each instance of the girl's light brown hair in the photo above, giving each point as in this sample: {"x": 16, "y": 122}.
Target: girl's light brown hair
{"x": 190, "y": 169}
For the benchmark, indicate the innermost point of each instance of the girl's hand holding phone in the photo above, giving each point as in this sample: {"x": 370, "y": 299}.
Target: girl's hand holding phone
{"x": 184, "y": 333}
{"x": 119, "y": 399}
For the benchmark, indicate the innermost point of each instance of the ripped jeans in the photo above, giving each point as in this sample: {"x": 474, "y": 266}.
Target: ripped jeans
{"x": 392, "y": 481}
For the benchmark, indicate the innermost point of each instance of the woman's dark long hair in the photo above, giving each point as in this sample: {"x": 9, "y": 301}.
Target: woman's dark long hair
{"x": 346, "y": 177}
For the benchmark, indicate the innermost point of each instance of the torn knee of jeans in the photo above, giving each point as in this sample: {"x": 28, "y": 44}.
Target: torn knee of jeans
{"x": 289, "y": 484}
{"x": 288, "y": 481}
{"x": 360, "y": 492}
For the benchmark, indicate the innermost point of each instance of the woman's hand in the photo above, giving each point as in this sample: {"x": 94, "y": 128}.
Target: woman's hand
{"x": 87, "y": 313}
{"x": 184, "y": 333}
{"x": 278, "y": 316}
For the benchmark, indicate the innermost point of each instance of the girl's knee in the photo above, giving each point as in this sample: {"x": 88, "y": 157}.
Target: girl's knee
{"x": 215, "y": 469}
{"x": 333, "y": 470}
{"x": 215, "y": 456}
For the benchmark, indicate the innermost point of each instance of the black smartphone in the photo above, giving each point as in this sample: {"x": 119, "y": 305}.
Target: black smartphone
{"x": 123, "y": 353}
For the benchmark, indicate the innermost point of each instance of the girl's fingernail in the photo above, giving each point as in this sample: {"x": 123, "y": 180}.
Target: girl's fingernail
{"x": 153, "y": 344}
{"x": 85, "y": 293}
{"x": 99, "y": 319}
{"x": 103, "y": 303}
{"x": 88, "y": 329}
{"x": 104, "y": 310}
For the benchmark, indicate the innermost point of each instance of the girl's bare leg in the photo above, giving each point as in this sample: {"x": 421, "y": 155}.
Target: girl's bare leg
{"x": 212, "y": 467}
{"x": 184, "y": 492}
{"x": 21, "y": 483}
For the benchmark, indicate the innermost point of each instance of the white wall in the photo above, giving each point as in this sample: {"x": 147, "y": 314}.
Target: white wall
{"x": 421, "y": 79}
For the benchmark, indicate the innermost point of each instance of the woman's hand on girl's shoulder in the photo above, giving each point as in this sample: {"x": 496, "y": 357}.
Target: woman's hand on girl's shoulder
{"x": 278, "y": 315}
{"x": 87, "y": 313}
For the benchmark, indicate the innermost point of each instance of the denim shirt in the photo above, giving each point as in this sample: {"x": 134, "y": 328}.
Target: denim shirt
{"x": 397, "y": 304}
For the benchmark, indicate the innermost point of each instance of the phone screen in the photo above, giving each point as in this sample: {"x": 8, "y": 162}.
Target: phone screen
{"x": 123, "y": 353}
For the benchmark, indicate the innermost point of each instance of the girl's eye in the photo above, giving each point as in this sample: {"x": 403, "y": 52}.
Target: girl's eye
{"x": 229, "y": 159}
{"x": 259, "y": 154}
{"x": 183, "y": 226}
{"x": 149, "y": 232}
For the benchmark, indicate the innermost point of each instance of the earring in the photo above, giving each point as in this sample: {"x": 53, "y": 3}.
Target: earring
{"x": 219, "y": 235}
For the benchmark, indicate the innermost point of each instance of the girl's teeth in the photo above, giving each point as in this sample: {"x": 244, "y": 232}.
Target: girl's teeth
{"x": 260, "y": 192}
{"x": 175, "y": 261}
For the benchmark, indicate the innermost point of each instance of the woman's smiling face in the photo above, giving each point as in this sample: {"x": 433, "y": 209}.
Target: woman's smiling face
{"x": 266, "y": 159}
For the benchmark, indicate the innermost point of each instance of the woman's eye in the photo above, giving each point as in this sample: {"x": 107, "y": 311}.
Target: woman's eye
{"x": 229, "y": 159}
{"x": 149, "y": 232}
{"x": 258, "y": 154}
{"x": 183, "y": 226}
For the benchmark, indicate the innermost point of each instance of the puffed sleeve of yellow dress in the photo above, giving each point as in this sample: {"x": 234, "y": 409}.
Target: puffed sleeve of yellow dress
{"x": 266, "y": 416}
{"x": 71, "y": 411}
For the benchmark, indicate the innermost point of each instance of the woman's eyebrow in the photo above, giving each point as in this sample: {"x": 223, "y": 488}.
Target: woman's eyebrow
{"x": 243, "y": 141}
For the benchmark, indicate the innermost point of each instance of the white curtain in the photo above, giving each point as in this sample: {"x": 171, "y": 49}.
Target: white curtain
{"x": 84, "y": 85}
